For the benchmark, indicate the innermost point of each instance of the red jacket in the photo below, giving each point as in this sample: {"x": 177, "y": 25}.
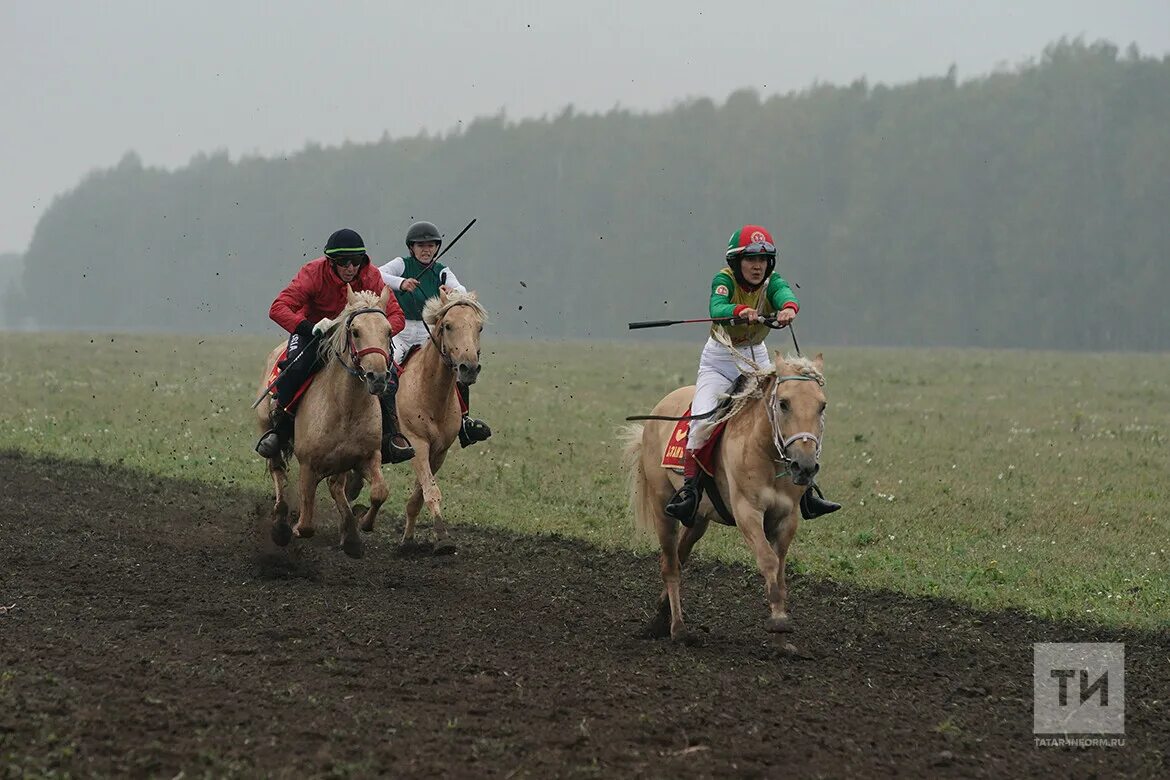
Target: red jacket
{"x": 317, "y": 291}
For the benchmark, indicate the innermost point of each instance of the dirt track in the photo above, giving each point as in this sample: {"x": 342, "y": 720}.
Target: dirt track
{"x": 155, "y": 631}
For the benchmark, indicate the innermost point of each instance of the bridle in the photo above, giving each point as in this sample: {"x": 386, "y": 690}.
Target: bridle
{"x": 355, "y": 355}
{"x": 779, "y": 440}
{"x": 447, "y": 361}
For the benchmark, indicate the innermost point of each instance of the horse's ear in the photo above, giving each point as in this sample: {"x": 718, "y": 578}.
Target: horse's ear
{"x": 349, "y": 296}
{"x": 819, "y": 362}
{"x": 384, "y": 298}
{"x": 778, "y": 359}
{"x": 443, "y": 297}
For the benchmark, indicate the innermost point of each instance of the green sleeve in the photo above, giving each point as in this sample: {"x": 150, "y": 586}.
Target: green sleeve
{"x": 721, "y": 305}
{"x": 779, "y": 293}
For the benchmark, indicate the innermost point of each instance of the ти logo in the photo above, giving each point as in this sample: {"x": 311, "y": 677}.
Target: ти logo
{"x": 1078, "y": 688}
{"x": 758, "y": 237}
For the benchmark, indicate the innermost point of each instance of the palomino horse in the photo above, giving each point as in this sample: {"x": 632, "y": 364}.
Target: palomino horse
{"x": 767, "y": 457}
{"x": 338, "y": 420}
{"x": 428, "y": 409}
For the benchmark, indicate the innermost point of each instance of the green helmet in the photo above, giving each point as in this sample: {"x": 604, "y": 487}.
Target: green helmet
{"x": 422, "y": 231}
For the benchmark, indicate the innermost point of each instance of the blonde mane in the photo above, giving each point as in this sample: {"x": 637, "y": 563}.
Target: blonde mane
{"x": 435, "y": 309}
{"x": 335, "y": 338}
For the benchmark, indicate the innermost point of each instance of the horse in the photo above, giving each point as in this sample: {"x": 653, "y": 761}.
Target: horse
{"x": 428, "y": 408}
{"x": 768, "y": 455}
{"x": 338, "y": 427}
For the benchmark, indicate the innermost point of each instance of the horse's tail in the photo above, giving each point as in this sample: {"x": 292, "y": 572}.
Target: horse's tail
{"x": 640, "y": 505}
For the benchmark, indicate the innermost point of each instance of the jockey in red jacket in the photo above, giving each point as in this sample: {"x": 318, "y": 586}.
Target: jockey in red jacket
{"x": 318, "y": 292}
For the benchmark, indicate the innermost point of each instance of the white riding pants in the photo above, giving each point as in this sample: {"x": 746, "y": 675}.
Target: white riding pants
{"x": 415, "y": 332}
{"x": 718, "y": 370}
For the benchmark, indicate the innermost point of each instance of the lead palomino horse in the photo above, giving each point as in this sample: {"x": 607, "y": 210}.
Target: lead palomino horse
{"x": 768, "y": 454}
{"x": 428, "y": 408}
{"x": 338, "y": 426}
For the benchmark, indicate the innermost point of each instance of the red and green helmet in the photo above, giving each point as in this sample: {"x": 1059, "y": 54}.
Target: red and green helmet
{"x": 751, "y": 240}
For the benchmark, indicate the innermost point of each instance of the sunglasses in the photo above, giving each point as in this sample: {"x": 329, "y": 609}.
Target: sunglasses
{"x": 349, "y": 259}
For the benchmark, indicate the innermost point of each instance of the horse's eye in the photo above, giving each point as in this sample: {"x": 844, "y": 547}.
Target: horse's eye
{"x": 784, "y": 405}
{"x": 481, "y": 328}
{"x": 446, "y": 326}
{"x": 823, "y": 407}
{"x": 353, "y": 332}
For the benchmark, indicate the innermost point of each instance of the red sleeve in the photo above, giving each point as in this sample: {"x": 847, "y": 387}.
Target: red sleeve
{"x": 394, "y": 314}
{"x": 288, "y": 309}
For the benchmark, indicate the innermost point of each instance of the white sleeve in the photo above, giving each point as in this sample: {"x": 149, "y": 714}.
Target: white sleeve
{"x": 392, "y": 273}
{"x": 451, "y": 281}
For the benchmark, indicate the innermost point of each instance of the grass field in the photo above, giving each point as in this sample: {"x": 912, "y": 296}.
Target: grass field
{"x": 998, "y": 479}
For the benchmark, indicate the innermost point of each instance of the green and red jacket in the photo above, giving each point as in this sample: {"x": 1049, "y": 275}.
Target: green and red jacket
{"x": 728, "y": 299}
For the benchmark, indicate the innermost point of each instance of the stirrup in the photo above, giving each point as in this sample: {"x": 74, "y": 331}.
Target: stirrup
{"x": 395, "y": 453}
{"x": 684, "y": 503}
{"x": 269, "y": 444}
{"x": 471, "y": 431}
{"x": 813, "y": 503}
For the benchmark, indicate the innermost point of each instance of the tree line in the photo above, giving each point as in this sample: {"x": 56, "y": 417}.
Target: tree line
{"x": 1025, "y": 208}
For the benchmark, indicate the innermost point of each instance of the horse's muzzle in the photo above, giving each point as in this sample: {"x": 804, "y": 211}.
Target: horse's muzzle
{"x": 467, "y": 373}
{"x": 376, "y": 383}
{"x": 803, "y": 471}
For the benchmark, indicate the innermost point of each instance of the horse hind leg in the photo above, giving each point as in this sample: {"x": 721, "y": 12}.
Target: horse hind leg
{"x": 281, "y": 530}
{"x": 669, "y": 617}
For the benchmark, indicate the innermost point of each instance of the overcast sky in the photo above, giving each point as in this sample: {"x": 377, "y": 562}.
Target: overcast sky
{"x": 82, "y": 83}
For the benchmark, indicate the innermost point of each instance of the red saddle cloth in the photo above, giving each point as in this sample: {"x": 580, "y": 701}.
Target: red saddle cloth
{"x": 276, "y": 372}
{"x": 676, "y": 445}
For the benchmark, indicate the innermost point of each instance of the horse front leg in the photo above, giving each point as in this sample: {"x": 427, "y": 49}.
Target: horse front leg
{"x": 750, "y": 521}
{"x": 281, "y": 530}
{"x": 308, "y": 480}
{"x": 443, "y": 542}
{"x": 780, "y": 544}
{"x": 413, "y": 507}
{"x": 351, "y": 541}
{"x": 378, "y": 490}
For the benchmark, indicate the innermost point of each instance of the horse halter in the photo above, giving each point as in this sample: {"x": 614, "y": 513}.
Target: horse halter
{"x": 781, "y": 441}
{"x": 355, "y": 355}
{"x": 447, "y": 361}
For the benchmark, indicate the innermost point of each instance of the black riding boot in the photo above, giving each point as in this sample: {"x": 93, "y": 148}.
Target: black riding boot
{"x": 395, "y": 447}
{"x": 814, "y": 504}
{"x": 277, "y": 439}
{"x": 685, "y": 502}
{"x": 470, "y": 430}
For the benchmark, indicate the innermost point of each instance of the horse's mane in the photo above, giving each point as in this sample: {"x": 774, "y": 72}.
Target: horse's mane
{"x": 757, "y": 379}
{"x": 434, "y": 309}
{"x": 335, "y": 340}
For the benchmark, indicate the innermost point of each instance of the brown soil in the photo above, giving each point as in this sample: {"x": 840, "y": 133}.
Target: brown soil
{"x": 157, "y": 631}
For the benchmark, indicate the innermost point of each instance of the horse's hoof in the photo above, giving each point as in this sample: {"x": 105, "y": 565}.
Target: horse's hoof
{"x": 280, "y": 511}
{"x": 281, "y": 534}
{"x": 304, "y": 531}
{"x": 780, "y": 625}
{"x": 352, "y": 546}
{"x": 444, "y": 547}
{"x": 359, "y": 510}
{"x": 685, "y": 638}
{"x": 367, "y": 527}
{"x": 409, "y": 548}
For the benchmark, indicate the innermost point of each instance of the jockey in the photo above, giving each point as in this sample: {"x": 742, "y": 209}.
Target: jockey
{"x": 747, "y": 289}
{"x": 316, "y": 294}
{"x": 415, "y": 279}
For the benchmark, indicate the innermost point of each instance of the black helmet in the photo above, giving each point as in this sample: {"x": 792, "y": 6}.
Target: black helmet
{"x": 345, "y": 243}
{"x": 422, "y": 231}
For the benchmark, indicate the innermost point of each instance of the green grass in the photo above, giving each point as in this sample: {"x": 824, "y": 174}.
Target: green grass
{"x": 999, "y": 479}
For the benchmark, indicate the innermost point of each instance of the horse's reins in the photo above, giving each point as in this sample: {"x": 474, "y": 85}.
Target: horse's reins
{"x": 355, "y": 355}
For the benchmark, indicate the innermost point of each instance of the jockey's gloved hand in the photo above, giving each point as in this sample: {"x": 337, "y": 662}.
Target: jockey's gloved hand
{"x": 322, "y": 325}
{"x": 304, "y": 329}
